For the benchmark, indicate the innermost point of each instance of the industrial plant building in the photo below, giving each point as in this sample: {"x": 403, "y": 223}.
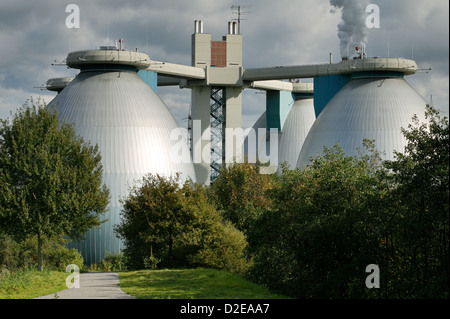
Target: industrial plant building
{"x": 113, "y": 102}
{"x": 110, "y": 105}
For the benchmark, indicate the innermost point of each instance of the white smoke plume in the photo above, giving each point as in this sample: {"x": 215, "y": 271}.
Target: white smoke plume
{"x": 352, "y": 30}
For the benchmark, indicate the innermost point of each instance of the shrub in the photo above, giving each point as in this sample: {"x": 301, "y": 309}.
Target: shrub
{"x": 239, "y": 194}
{"x": 112, "y": 262}
{"x": 227, "y": 251}
{"x": 312, "y": 244}
{"x": 171, "y": 225}
{"x": 15, "y": 256}
{"x": 151, "y": 262}
{"x": 59, "y": 257}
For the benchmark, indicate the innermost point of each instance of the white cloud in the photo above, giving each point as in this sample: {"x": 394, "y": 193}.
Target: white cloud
{"x": 11, "y": 99}
{"x": 178, "y": 101}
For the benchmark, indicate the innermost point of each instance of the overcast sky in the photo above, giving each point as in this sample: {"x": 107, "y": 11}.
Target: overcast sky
{"x": 33, "y": 35}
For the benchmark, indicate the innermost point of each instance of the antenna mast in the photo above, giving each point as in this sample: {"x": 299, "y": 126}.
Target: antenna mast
{"x": 239, "y": 13}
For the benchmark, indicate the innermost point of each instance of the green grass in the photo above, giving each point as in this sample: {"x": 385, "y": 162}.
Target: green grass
{"x": 197, "y": 283}
{"x": 28, "y": 284}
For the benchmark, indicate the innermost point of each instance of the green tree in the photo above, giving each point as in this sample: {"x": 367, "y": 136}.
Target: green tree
{"x": 15, "y": 256}
{"x": 312, "y": 243}
{"x": 239, "y": 193}
{"x": 50, "y": 179}
{"x": 421, "y": 199}
{"x": 173, "y": 223}
{"x": 153, "y": 217}
{"x": 217, "y": 243}
{"x": 329, "y": 221}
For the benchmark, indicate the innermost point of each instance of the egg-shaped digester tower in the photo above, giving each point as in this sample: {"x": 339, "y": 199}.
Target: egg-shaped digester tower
{"x": 295, "y": 130}
{"x": 293, "y": 133}
{"x": 111, "y": 106}
{"x": 372, "y": 106}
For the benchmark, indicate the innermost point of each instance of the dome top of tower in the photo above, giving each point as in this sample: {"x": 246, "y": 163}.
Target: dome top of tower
{"x": 108, "y": 55}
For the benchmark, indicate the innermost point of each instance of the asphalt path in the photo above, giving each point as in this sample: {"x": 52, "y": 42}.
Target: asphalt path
{"x": 93, "y": 285}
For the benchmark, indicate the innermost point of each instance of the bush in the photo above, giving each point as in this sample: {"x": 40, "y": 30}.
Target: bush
{"x": 151, "y": 262}
{"x": 15, "y": 256}
{"x": 59, "y": 257}
{"x": 227, "y": 251}
{"x": 312, "y": 243}
{"x": 181, "y": 228}
{"x": 239, "y": 194}
{"x": 342, "y": 213}
{"x": 112, "y": 262}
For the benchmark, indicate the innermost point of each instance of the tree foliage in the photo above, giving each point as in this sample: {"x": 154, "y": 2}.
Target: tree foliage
{"x": 421, "y": 198}
{"x": 342, "y": 213}
{"x": 309, "y": 233}
{"x": 173, "y": 223}
{"x": 239, "y": 193}
{"x": 15, "y": 256}
{"x": 50, "y": 179}
{"x": 313, "y": 234}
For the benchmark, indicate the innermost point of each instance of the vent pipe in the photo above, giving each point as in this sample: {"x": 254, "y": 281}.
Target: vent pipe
{"x": 232, "y": 28}
{"x": 198, "y": 26}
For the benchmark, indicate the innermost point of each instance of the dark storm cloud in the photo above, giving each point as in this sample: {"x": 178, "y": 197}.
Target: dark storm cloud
{"x": 33, "y": 35}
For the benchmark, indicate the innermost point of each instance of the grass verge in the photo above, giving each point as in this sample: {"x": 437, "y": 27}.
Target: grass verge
{"x": 28, "y": 284}
{"x": 197, "y": 283}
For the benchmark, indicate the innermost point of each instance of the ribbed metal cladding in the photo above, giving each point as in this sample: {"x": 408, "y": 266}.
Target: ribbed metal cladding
{"x": 375, "y": 108}
{"x": 299, "y": 120}
{"x": 118, "y": 111}
{"x": 252, "y": 151}
{"x": 293, "y": 134}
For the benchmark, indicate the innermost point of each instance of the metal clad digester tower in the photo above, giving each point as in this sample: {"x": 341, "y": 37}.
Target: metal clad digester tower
{"x": 374, "y": 105}
{"x": 295, "y": 129}
{"x": 291, "y": 112}
{"x": 216, "y": 107}
{"x": 110, "y": 105}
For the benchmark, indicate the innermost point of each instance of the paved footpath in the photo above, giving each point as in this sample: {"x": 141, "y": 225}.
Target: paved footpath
{"x": 93, "y": 285}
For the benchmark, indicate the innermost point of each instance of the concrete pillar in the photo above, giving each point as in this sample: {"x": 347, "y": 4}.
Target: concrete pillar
{"x": 201, "y": 133}
{"x": 200, "y": 111}
{"x": 233, "y": 125}
{"x": 233, "y": 111}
